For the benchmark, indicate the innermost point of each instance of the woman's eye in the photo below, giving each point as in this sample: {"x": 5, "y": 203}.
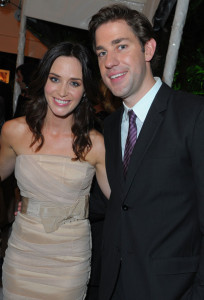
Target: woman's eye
{"x": 75, "y": 84}
{"x": 54, "y": 79}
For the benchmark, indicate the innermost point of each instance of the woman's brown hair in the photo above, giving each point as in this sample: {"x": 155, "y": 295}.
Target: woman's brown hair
{"x": 83, "y": 113}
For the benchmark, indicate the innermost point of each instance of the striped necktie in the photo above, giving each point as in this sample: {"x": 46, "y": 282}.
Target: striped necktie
{"x": 131, "y": 139}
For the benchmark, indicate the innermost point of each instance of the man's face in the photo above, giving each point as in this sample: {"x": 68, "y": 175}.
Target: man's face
{"x": 20, "y": 81}
{"x": 122, "y": 63}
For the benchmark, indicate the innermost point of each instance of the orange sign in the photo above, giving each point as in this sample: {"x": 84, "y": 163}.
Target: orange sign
{"x": 4, "y": 75}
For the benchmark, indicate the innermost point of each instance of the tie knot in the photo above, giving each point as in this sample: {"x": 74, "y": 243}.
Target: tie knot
{"x": 132, "y": 116}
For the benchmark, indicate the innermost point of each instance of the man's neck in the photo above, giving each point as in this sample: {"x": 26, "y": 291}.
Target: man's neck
{"x": 145, "y": 88}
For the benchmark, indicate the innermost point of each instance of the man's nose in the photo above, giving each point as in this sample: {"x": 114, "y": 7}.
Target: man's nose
{"x": 111, "y": 60}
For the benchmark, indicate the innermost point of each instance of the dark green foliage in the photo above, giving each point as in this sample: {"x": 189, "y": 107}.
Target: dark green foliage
{"x": 189, "y": 74}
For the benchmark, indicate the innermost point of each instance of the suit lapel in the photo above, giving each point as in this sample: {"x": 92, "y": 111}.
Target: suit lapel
{"x": 149, "y": 129}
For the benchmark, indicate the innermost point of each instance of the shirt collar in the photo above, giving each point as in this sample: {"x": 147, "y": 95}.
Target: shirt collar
{"x": 142, "y": 107}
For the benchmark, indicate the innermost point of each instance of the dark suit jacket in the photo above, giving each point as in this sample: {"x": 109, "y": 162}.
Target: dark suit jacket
{"x": 97, "y": 202}
{"x": 155, "y": 219}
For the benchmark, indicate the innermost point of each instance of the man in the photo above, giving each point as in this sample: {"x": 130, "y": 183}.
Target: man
{"x": 153, "y": 246}
{"x": 2, "y": 109}
{"x": 24, "y": 74}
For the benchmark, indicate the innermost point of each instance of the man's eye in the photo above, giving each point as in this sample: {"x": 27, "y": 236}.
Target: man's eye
{"x": 101, "y": 54}
{"x": 122, "y": 47}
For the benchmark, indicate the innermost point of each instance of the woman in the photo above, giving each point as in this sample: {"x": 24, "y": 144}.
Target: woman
{"x": 55, "y": 153}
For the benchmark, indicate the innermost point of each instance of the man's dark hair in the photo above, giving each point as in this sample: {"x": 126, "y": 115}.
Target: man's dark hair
{"x": 137, "y": 21}
{"x": 27, "y": 70}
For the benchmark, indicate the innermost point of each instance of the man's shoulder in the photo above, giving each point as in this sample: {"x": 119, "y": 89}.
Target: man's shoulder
{"x": 114, "y": 116}
{"x": 187, "y": 101}
{"x": 179, "y": 98}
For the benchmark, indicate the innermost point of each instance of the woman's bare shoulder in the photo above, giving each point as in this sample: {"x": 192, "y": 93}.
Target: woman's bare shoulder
{"x": 17, "y": 122}
{"x": 98, "y": 148}
{"x": 96, "y": 136}
{"x": 15, "y": 129}
{"x": 97, "y": 140}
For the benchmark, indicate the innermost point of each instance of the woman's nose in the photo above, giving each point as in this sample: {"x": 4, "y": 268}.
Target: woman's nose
{"x": 63, "y": 90}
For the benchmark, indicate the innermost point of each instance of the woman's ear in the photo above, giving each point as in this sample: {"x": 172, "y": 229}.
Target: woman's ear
{"x": 150, "y": 48}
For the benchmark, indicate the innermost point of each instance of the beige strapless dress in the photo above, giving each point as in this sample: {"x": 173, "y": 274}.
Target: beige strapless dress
{"x": 49, "y": 251}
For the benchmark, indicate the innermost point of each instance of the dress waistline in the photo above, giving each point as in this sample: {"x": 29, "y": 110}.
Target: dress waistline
{"x": 52, "y": 217}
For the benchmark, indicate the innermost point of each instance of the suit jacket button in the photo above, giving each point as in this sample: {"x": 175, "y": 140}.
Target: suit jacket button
{"x": 125, "y": 207}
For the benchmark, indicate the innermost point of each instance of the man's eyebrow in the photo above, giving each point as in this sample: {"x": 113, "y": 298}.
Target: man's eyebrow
{"x": 117, "y": 41}
{"x": 114, "y": 42}
{"x": 99, "y": 48}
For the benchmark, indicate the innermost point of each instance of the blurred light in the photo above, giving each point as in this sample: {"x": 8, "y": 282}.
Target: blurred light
{"x": 3, "y": 2}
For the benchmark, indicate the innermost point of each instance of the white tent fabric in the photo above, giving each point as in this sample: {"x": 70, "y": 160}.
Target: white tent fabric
{"x": 77, "y": 13}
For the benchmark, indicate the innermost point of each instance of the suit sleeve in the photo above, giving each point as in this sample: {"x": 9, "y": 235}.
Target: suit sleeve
{"x": 97, "y": 203}
{"x": 197, "y": 155}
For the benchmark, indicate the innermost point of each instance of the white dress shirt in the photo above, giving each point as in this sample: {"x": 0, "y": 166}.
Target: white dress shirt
{"x": 141, "y": 109}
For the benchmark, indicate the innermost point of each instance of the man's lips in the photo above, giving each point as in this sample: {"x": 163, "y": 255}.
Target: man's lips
{"x": 118, "y": 75}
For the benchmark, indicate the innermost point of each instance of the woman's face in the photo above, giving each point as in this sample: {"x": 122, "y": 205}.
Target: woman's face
{"x": 64, "y": 87}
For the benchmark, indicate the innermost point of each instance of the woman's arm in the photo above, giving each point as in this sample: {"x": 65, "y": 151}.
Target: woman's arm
{"x": 7, "y": 154}
{"x": 99, "y": 153}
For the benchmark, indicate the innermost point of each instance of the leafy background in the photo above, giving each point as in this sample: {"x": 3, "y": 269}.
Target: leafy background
{"x": 189, "y": 74}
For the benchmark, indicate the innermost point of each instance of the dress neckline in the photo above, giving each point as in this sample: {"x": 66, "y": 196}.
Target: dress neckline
{"x": 55, "y": 155}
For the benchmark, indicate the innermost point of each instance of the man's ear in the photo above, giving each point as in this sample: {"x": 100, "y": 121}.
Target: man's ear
{"x": 150, "y": 48}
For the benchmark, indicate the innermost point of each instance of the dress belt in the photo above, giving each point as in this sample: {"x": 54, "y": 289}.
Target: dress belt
{"x": 52, "y": 217}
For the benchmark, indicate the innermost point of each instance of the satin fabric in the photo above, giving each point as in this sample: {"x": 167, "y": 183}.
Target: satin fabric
{"x": 54, "y": 265}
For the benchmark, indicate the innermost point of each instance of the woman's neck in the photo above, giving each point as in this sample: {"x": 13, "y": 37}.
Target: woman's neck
{"x": 58, "y": 125}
